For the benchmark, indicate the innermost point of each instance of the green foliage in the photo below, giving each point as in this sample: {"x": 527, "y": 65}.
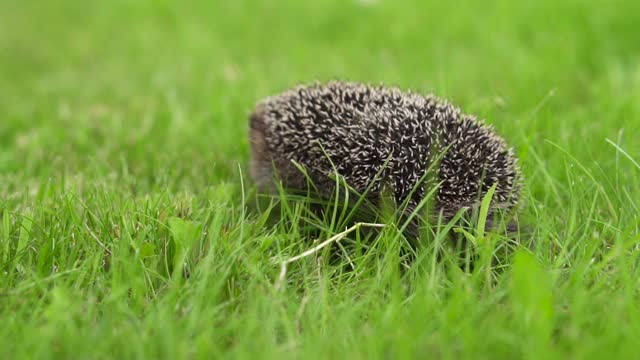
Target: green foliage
{"x": 532, "y": 297}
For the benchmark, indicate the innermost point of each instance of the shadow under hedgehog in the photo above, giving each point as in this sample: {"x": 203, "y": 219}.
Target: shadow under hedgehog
{"x": 380, "y": 138}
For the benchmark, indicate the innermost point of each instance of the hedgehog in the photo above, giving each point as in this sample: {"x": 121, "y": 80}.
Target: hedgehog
{"x": 381, "y": 140}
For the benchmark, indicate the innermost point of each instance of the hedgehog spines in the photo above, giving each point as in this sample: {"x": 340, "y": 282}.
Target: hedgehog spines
{"x": 356, "y": 129}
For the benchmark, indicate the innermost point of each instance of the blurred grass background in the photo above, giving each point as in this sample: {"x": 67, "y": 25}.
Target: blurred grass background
{"x": 156, "y": 76}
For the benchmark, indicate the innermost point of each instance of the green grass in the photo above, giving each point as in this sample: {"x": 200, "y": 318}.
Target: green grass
{"x": 123, "y": 158}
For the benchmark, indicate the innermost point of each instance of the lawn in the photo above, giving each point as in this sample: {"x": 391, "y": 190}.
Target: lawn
{"x": 128, "y": 225}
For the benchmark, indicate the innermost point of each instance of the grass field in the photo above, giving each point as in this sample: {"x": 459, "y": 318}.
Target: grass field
{"x": 123, "y": 168}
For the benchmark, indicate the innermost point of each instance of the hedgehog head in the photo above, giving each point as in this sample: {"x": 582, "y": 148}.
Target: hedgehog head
{"x": 267, "y": 166}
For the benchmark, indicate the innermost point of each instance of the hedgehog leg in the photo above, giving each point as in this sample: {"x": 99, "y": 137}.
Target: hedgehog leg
{"x": 500, "y": 221}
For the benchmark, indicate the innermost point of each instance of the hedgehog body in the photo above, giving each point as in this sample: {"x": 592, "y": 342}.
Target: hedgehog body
{"x": 376, "y": 136}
